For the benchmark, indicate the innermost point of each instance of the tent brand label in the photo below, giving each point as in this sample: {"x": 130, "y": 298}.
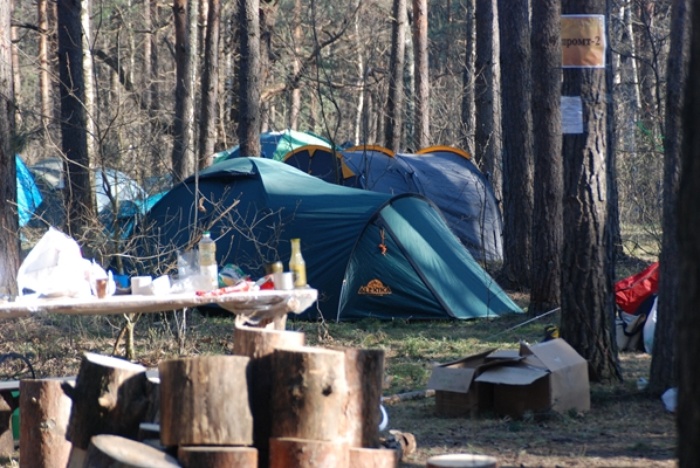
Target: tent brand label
{"x": 374, "y": 288}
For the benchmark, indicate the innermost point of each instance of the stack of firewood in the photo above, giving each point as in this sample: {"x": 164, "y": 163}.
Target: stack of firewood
{"x": 276, "y": 402}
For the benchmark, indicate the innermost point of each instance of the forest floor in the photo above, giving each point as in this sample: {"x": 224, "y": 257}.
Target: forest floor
{"x": 625, "y": 426}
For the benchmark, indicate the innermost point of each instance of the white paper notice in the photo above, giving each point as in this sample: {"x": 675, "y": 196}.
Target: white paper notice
{"x": 571, "y": 114}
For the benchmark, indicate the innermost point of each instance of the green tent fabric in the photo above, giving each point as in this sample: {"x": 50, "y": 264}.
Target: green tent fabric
{"x": 275, "y": 145}
{"x": 369, "y": 254}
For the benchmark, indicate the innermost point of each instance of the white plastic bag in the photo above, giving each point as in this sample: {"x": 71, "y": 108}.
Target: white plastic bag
{"x": 55, "y": 267}
{"x": 650, "y": 328}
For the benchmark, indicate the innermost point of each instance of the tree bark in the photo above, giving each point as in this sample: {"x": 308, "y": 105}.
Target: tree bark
{"x": 45, "y": 412}
{"x": 46, "y": 105}
{"x": 394, "y": 104}
{"x": 286, "y": 452}
{"x": 9, "y": 222}
{"x": 212, "y": 407}
{"x": 547, "y": 223}
{"x": 422, "y": 74}
{"x": 664, "y": 364}
{"x": 210, "y": 86}
{"x": 487, "y": 135}
{"x": 217, "y": 457}
{"x": 373, "y": 457}
{"x": 259, "y": 345}
{"x": 468, "y": 120}
{"x": 309, "y": 392}
{"x": 119, "y": 452}
{"x": 79, "y": 198}
{"x": 183, "y": 131}
{"x": 16, "y": 77}
{"x": 688, "y": 338}
{"x": 587, "y": 301}
{"x": 249, "y": 116}
{"x": 364, "y": 373}
{"x": 517, "y": 124}
{"x": 111, "y": 396}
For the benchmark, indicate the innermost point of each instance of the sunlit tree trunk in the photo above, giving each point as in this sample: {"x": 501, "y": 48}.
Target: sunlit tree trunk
{"x": 9, "y": 222}
{"x": 468, "y": 124}
{"x": 183, "y": 135}
{"x": 249, "y": 106}
{"x": 210, "y": 80}
{"x": 295, "y": 94}
{"x": 89, "y": 79}
{"x": 17, "y": 77}
{"x": 46, "y": 104}
{"x": 518, "y": 169}
{"x": 587, "y": 302}
{"x": 78, "y": 194}
{"x": 664, "y": 365}
{"x": 394, "y": 104}
{"x": 421, "y": 121}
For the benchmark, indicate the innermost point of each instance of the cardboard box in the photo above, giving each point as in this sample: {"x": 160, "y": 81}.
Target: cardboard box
{"x": 456, "y": 392}
{"x": 551, "y": 376}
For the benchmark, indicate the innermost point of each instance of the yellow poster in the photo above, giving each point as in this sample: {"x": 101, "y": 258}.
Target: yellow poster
{"x": 583, "y": 41}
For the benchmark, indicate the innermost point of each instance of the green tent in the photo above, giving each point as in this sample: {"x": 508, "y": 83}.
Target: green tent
{"x": 369, "y": 254}
{"x": 275, "y": 145}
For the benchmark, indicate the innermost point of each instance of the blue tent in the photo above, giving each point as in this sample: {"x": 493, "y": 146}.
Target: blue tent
{"x": 445, "y": 175}
{"x": 369, "y": 254}
{"x": 28, "y": 194}
{"x": 274, "y": 145}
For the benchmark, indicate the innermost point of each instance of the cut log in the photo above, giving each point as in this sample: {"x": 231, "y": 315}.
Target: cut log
{"x": 259, "y": 344}
{"x": 110, "y": 451}
{"x": 462, "y": 460}
{"x": 111, "y": 396}
{"x": 309, "y": 393}
{"x": 45, "y": 412}
{"x": 217, "y": 457}
{"x": 7, "y": 442}
{"x": 364, "y": 372}
{"x": 373, "y": 457}
{"x": 301, "y": 453}
{"x": 204, "y": 401}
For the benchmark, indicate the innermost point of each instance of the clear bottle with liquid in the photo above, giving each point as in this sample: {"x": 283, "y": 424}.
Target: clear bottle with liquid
{"x": 297, "y": 265}
{"x": 207, "y": 260}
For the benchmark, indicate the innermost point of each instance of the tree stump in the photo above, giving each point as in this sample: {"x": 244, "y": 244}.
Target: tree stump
{"x": 45, "y": 412}
{"x": 7, "y": 442}
{"x": 364, "y": 372}
{"x": 373, "y": 457}
{"x": 217, "y": 457}
{"x": 111, "y": 396}
{"x": 300, "y": 453}
{"x": 204, "y": 401}
{"x": 462, "y": 460}
{"x": 259, "y": 344}
{"x": 309, "y": 393}
{"x": 110, "y": 451}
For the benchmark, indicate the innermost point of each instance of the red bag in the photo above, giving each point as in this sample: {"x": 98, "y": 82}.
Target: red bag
{"x": 633, "y": 290}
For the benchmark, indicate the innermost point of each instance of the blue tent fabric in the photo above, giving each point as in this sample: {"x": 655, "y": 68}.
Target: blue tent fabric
{"x": 28, "y": 194}
{"x": 461, "y": 192}
{"x": 254, "y": 206}
{"x": 275, "y": 145}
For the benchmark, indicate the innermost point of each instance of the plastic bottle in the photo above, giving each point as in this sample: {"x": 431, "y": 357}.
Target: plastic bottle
{"x": 207, "y": 260}
{"x": 297, "y": 264}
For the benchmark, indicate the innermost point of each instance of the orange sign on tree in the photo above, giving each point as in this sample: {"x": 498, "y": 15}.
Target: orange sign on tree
{"x": 583, "y": 41}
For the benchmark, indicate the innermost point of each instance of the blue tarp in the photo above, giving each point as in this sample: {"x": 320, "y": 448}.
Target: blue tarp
{"x": 28, "y": 194}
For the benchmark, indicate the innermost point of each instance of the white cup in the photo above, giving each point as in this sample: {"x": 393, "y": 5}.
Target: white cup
{"x": 286, "y": 282}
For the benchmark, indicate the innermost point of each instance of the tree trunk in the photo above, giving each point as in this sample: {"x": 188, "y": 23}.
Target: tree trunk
{"x": 422, "y": 74}
{"x": 287, "y": 452}
{"x": 295, "y": 93}
{"x": 518, "y": 170}
{"x": 111, "y": 396}
{"x": 210, "y": 87}
{"x": 488, "y": 120}
{"x": 364, "y": 373}
{"x": 394, "y": 104}
{"x": 688, "y": 338}
{"x": 46, "y": 105}
{"x": 664, "y": 365}
{"x": 309, "y": 392}
{"x": 249, "y": 95}
{"x": 16, "y": 77}
{"x": 468, "y": 126}
{"x": 118, "y": 452}
{"x": 78, "y": 194}
{"x": 45, "y": 412}
{"x": 547, "y": 235}
{"x": 90, "y": 93}
{"x": 373, "y": 457}
{"x": 587, "y": 302}
{"x": 217, "y": 457}
{"x": 259, "y": 345}
{"x": 213, "y": 408}
{"x": 183, "y": 136}
{"x": 9, "y": 222}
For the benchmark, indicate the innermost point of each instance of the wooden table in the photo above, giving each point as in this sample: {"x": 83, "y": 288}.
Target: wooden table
{"x": 251, "y": 306}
